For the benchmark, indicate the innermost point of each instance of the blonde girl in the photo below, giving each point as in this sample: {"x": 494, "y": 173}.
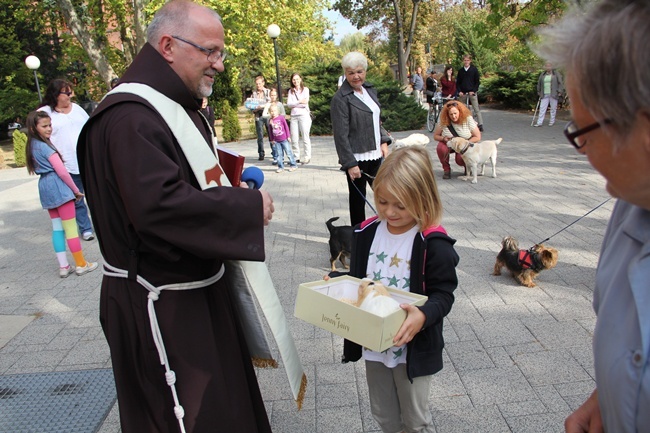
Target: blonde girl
{"x": 406, "y": 248}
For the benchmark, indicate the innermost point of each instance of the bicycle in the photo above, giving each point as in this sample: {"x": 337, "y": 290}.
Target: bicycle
{"x": 434, "y": 111}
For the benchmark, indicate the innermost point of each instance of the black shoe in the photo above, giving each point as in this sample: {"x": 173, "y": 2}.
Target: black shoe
{"x": 480, "y": 128}
{"x": 297, "y": 161}
{"x": 261, "y": 158}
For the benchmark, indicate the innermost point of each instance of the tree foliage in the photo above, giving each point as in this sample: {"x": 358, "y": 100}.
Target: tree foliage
{"x": 389, "y": 14}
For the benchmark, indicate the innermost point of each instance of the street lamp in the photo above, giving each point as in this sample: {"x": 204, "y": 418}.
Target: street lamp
{"x": 273, "y": 31}
{"x": 33, "y": 63}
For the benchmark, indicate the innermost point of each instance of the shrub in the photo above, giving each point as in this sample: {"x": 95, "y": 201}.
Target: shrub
{"x": 20, "y": 142}
{"x": 231, "y": 127}
{"x": 512, "y": 89}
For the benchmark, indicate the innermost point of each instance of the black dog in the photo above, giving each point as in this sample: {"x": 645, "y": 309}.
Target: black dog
{"x": 340, "y": 243}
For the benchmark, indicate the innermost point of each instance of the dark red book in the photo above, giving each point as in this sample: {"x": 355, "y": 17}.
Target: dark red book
{"x": 232, "y": 164}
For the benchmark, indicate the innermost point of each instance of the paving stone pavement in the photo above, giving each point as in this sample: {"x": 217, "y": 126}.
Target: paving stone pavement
{"x": 516, "y": 359}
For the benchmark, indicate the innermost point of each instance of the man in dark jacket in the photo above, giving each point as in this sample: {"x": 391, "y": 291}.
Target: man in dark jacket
{"x": 467, "y": 82}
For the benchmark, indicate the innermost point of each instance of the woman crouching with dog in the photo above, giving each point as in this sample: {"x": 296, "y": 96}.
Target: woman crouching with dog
{"x": 455, "y": 121}
{"x": 611, "y": 126}
{"x": 421, "y": 259}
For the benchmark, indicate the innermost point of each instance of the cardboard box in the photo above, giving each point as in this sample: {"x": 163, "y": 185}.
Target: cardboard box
{"x": 319, "y": 303}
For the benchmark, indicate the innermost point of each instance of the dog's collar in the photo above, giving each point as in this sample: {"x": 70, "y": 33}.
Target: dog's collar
{"x": 467, "y": 146}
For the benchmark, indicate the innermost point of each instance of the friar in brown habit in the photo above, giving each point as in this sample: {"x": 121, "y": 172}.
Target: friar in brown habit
{"x": 155, "y": 224}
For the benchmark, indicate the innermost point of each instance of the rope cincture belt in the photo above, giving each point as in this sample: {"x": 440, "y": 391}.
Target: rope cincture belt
{"x": 154, "y": 294}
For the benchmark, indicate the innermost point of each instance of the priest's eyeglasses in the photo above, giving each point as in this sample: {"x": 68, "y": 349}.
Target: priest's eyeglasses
{"x": 213, "y": 55}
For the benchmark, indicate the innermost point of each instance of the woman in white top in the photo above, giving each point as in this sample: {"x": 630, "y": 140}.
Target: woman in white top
{"x": 300, "y": 124}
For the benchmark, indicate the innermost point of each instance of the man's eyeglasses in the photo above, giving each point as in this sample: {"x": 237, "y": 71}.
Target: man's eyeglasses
{"x": 68, "y": 93}
{"x": 212, "y": 55}
{"x": 572, "y": 132}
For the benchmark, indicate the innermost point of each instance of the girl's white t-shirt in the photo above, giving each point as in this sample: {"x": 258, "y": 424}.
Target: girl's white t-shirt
{"x": 389, "y": 263}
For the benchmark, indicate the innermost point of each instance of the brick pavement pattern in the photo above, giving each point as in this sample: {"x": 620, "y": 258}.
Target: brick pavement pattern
{"x": 516, "y": 359}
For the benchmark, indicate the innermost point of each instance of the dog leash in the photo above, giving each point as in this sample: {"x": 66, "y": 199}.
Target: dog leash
{"x": 361, "y": 194}
{"x": 574, "y": 221}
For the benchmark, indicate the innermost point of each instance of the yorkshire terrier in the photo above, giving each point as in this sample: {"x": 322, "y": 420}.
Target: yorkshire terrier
{"x": 524, "y": 265}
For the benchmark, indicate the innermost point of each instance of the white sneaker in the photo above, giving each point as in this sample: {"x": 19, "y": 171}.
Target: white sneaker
{"x": 279, "y": 170}
{"x": 88, "y": 236}
{"x": 90, "y": 266}
{"x": 64, "y": 272}
{"x": 292, "y": 168}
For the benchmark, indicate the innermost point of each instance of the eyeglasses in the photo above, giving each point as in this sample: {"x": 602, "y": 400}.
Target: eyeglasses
{"x": 212, "y": 55}
{"x": 572, "y": 132}
{"x": 68, "y": 93}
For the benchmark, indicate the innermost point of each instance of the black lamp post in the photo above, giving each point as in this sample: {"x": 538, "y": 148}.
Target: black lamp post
{"x": 33, "y": 63}
{"x": 273, "y": 31}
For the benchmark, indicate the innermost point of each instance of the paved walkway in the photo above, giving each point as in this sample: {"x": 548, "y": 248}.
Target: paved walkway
{"x": 516, "y": 359}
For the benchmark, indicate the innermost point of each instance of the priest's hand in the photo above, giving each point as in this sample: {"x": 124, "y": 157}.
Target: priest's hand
{"x": 267, "y": 206}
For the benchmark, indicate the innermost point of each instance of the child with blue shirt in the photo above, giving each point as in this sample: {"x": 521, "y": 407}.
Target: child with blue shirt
{"x": 57, "y": 192}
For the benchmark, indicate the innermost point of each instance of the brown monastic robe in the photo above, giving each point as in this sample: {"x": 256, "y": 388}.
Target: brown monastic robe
{"x": 153, "y": 220}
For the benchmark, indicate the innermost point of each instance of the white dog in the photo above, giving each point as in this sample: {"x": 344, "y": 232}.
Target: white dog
{"x": 475, "y": 154}
{"x": 416, "y": 139}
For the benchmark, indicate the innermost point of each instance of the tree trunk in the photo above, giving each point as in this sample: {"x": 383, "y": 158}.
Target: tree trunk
{"x": 89, "y": 44}
{"x": 139, "y": 23}
{"x": 401, "y": 58}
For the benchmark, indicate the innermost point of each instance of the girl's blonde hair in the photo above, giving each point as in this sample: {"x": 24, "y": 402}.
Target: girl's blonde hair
{"x": 407, "y": 174}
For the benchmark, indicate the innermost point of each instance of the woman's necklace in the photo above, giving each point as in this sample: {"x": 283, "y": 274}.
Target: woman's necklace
{"x": 63, "y": 110}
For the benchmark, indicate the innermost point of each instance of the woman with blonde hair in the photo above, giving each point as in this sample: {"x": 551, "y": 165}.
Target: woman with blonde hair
{"x": 455, "y": 121}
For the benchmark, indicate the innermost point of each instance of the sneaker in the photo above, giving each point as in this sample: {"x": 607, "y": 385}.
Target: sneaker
{"x": 446, "y": 175}
{"x": 297, "y": 161}
{"x": 88, "y": 236}
{"x": 307, "y": 161}
{"x": 551, "y": 124}
{"x": 279, "y": 170}
{"x": 537, "y": 124}
{"x": 274, "y": 162}
{"x": 64, "y": 272}
{"x": 90, "y": 266}
{"x": 292, "y": 168}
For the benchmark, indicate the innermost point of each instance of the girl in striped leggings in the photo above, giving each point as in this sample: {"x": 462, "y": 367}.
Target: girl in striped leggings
{"x": 57, "y": 192}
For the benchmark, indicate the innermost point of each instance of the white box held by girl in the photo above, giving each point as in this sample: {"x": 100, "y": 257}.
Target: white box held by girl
{"x": 322, "y": 303}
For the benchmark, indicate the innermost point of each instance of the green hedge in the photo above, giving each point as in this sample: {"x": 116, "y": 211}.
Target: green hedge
{"x": 512, "y": 89}
{"x": 231, "y": 128}
{"x": 20, "y": 142}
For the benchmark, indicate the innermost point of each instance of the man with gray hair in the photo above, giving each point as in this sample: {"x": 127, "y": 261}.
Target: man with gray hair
{"x": 178, "y": 352}
{"x": 611, "y": 126}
